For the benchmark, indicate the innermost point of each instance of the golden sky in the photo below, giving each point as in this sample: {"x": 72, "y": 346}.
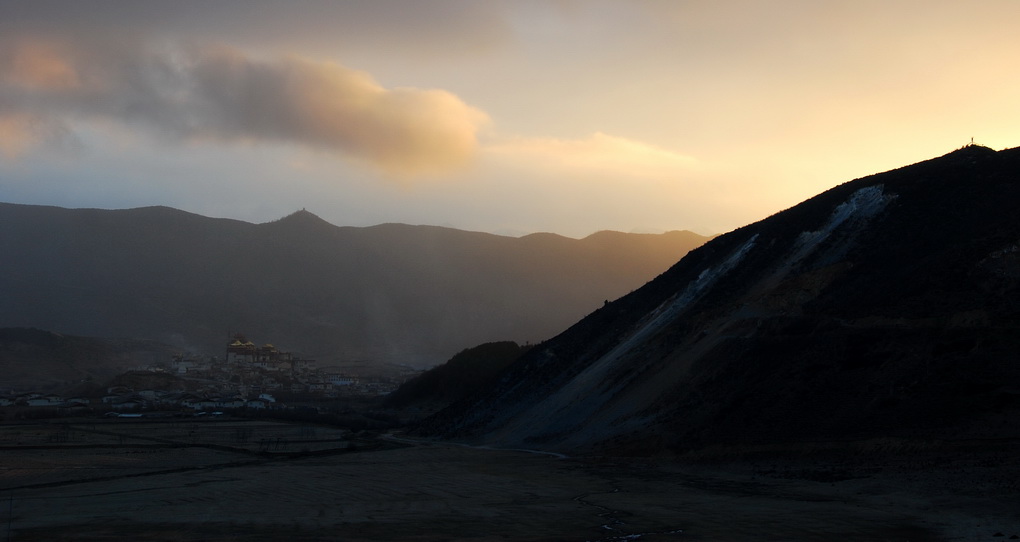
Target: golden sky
{"x": 508, "y": 116}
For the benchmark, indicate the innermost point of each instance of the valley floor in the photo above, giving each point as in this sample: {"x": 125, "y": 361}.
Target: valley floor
{"x": 220, "y": 481}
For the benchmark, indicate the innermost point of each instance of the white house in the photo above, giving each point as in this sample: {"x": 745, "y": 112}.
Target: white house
{"x": 45, "y": 400}
{"x": 341, "y": 379}
{"x": 258, "y": 404}
{"x": 129, "y": 404}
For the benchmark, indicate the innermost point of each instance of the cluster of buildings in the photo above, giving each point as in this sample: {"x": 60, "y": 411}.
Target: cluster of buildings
{"x": 252, "y": 369}
{"x": 248, "y": 376}
{"x": 123, "y": 399}
{"x": 243, "y": 356}
{"x": 34, "y": 399}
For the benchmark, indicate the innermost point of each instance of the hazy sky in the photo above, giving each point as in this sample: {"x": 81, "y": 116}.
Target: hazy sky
{"x": 504, "y": 116}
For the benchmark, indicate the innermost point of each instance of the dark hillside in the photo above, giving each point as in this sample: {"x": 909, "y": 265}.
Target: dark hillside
{"x": 466, "y": 372}
{"x": 887, "y": 306}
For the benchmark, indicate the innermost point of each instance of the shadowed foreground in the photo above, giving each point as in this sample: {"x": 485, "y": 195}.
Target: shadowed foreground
{"x": 115, "y": 481}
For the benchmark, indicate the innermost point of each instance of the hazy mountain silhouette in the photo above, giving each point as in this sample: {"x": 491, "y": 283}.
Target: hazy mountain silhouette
{"x": 456, "y": 379}
{"x": 42, "y": 359}
{"x": 887, "y": 306}
{"x": 392, "y": 293}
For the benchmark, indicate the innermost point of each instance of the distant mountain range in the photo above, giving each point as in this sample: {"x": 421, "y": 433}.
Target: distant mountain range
{"x": 390, "y": 293}
{"x": 41, "y": 360}
{"x": 885, "y": 307}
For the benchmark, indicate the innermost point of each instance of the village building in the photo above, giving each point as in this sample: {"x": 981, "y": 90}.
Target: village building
{"x": 340, "y": 379}
{"x": 36, "y": 399}
{"x": 128, "y": 403}
{"x": 240, "y": 351}
{"x": 182, "y": 365}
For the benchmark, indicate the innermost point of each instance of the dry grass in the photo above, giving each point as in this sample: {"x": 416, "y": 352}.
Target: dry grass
{"x": 118, "y": 481}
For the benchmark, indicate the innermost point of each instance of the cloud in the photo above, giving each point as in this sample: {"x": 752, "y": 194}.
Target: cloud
{"x": 28, "y": 67}
{"x": 221, "y": 94}
{"x": 598, "y": 153}
{"x": 37, "y": 64}
{"x": 16, "y": 134}
{"x": 419, "y": 29}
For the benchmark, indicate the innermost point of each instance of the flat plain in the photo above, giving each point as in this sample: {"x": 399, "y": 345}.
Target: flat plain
{"x": 238, "y": 480}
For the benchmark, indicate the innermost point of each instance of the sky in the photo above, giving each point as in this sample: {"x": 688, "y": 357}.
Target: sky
{"x": 504, "y": 116}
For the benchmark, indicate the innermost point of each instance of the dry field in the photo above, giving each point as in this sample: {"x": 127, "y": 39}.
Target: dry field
{"x": 260, "y": 481}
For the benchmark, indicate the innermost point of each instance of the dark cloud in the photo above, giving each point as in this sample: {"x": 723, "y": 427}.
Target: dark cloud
{"x": 411, "y": 26}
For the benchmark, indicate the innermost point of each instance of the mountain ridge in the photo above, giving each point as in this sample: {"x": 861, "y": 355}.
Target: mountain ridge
{"x": 43, "y": 359}
{"x": 887, "y": 284}
{"x": 393, "y": 293}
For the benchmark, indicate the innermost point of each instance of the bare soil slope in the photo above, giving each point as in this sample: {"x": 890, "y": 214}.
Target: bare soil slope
{"x": 888, "y": 306}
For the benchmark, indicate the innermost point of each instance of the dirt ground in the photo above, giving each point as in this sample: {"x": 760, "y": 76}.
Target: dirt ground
{"x": 219, "y": 481}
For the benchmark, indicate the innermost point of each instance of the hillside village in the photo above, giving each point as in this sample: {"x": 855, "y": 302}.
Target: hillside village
{"x": 247, "y": 377}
